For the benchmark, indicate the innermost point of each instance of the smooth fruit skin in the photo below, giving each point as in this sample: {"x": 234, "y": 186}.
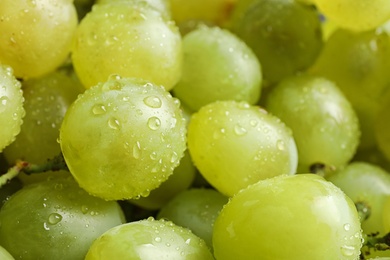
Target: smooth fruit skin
{"x": 149, "y": 239}
{"x": 123, "y": 138}
{"x": 293, "y": 217}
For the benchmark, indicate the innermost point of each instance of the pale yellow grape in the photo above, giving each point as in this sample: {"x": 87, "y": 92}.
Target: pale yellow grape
{"x": 234, "y": 145}
{"x": 293, "y": 217}
{"x": 324, "y": 124}
{"x": 358, "y": 15}
{"x": 217, "y": 66}
{"x": 131, "y": 40}
{"x": 148, "y": 240}
{"x": 160, "y": 5}
{"x": 123, "y": 138}
{"x": 36, "y": 35}
{"x": 215, "y": 11}
{"x": 11, "y": 106}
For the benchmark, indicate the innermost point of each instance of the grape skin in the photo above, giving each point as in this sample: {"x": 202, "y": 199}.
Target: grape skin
{"x": 11, "y": 106}
{"x": 123, "y": 138}
{"x": 290, "y": 217}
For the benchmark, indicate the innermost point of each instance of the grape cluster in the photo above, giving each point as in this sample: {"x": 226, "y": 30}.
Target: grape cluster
{"x": 195, "y": 129}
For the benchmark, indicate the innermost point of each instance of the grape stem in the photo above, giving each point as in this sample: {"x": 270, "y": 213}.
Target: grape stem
{"x": 376, "y": 242}
{"x": 56, "y": 163}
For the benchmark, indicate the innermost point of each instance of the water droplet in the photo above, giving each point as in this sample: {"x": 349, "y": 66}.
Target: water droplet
{"x": 137, "y": 150}
{"x": 157, "y": 239}
{"x": 113, "y": 123}
{"x": 84, "y": 209}
{"x": 239, "y": 130}
{"x": 347, "y": 227}
{"x": 153, "y": 101}
{"x": 280, "y": 144}
{"x": 154, "y": 123}
{"x": 347, "y": 250}
{"x": 174, "y": 157}
{"x": 98, "y": 109}
{"x": 54, "y": 218}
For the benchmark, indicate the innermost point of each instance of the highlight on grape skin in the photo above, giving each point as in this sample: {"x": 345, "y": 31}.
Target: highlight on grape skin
{"x": 123, "y": 138}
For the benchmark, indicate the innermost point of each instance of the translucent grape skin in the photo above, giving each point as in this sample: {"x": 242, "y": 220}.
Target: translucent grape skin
{"x": 149, "y": 239}
{"x": 131, "y": 40}
{"x": 291, "y": 217}
{"x": 160, "y": 5}
{"x": 284, "y": 34}
{"x": 367, "y": 185}
{"x": 36, "y": 36}
{"x": 356, "y": 15}
{"x": 234, "y": 145}
{"x": 11, "y": 106}
{"x": 46, "y": 100}
{"x": 195, "y": 209}
{"x": 123, "y": 138}
{"x": 217, "y": 66}
{"x": 324, "y": 124}
{"x": 59, "y": 220}
{"x": 360, "y": 71}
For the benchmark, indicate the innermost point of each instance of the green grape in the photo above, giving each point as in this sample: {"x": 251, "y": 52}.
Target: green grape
{"x": 358, "y": 63}
{"x": 215, "y": 12}
{"x": 149, "y": 239}
{"x": 11, "y": 106}
{"x": 4, "y": 255}
{"x": 181, "y": 179}
{"x": 288, "y": 217}
{"x": 46, "y": 100}
{"x": 8, "y": 189}
{"x": 36, "y": 35}
{"x": 57, "y": 218}
{"x": 358, "y": 15}
{"x": 123, "y": 138}
{"x": 130, "y": 41}
{"x": 324, "y": 125}
{"x": 160, "y": 5}
{"x": 367, "y": 184}
{"x": 234, "y": 145}
{"x": 382, "y": 127}
{"x": 285, "y": 35}
{"x": 195, "y": 209}
{"x": 217, "y": 66}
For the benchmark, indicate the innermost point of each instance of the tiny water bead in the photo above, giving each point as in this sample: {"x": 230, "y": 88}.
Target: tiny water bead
{"x": 54, "y": 218}
{"x": 153, "y": 101}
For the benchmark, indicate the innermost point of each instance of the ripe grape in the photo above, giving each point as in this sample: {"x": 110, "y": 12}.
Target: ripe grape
{"x": 324, "y": 125}
{"x": 131, "y": 40}
{"x": 160, "y": 5}
{"x": 357, "y": 15}
{"x": 217, "y": 66}
{"x": 36, "y": 35}
{"x": 195, "y": 209}
{"x": 285, "y": 35}
{"x": 234, "y": 144}
{"x": 123, "y": 138}
{"x": 59, "y": 220}
{"x": 293, "y": 217}
{"x": 11, "y": 106}
{"x": 149, "y": 239}
{"x": 46, "y": 100}
{"x": 358, "y": 63}
{"x": 368, "y": 184}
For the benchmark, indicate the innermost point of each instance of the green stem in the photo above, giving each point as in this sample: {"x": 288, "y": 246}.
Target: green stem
{"x": 54, "y": 164}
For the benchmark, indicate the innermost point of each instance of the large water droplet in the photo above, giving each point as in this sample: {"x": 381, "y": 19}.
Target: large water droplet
{"x": 154, "y": 123}
{"x": 98, "y": 109}
{"x": 280, "y": 144}
{"x": 54, "y": 218}
{"x": 84, "y": 209}
{"x": 153, "y": 101}
{"x": 113, "y": 123}
{"x": 240, "y": 130}
{"x": 347, "y": 227}
{"x": 347, "y": 250}
{"x": 137, "y": 150}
